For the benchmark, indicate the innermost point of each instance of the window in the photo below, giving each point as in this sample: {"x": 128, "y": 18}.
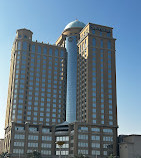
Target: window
{"x": 93, "y": 31}
{"x": 39, "y": 49}
{"x": 47, "y": 152}
{"x": 110, "y": 123}
{"x": 56, "y": 52}
{"x": 108, "y": 34}
{"x": 101, "y": 43}
{"x": 19, "y": 144}
{"x": 104, "y": 152}
{"x": 83, "y": 129}
{"x": 82, "y": 151}
{"x": 95, "y": 137}
{"x": 44, "y": 50}
{"x": 32, "y": 137}
{"x": 19, "y": 136}
{"x": 50, "y": 51}
{"x": 95, "y": 145}
{"x": 106, "y": 138}
{"x": 33, "y": 129}
{"x": 45, "y": 130}
{"x": 46, "y": 138}
{"x": 95, "y": 129}
{"x": 95, "y": 152}
{"x": 84, "y": 137}
{"x": 32, "y": 144}
{"x": 18, "y": 151}
{"x": 19, "y": 45}
{"x": 106, "y": 130}
{"x": 62, "y": 53}
{"x": 82, "y": 144}
{"x": 45, "y": 145}
{"x": 109, "y": 44}
{"x": 100, "y": 33}
{"x": 24, "y": 45}
{"x": 94, "y": 42}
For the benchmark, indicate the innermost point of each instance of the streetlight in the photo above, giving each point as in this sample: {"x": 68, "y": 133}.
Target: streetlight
{"x": 60, "y": 144}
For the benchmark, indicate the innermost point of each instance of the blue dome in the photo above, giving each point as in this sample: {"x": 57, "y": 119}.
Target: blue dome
{"x": 74, "y": 24}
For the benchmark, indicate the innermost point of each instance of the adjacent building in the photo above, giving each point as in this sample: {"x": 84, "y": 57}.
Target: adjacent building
{"x": 63, "y": 92}
{"x": 129, "y": 146}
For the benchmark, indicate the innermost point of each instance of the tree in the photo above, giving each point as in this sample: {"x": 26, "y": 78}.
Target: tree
{"x": 34, "y": 154}
{"x": 112, "y": 156}
{"x": 3, "y": 154}
{"x": 81, "y": 156}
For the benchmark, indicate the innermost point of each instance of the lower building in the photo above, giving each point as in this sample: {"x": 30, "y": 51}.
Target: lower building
{"x": 77, "y": 138}
{"x": 130, "y": 146}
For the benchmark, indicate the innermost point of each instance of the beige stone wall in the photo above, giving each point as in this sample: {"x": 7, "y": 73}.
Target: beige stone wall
{"x": 130, "y": 148}
{"x": 1, "y": 145}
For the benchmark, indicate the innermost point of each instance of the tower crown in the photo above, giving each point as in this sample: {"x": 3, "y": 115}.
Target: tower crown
{"x": 75, "y": 24}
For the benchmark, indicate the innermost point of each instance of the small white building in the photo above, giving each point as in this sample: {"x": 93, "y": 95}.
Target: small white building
{"x": 130, "y": 147}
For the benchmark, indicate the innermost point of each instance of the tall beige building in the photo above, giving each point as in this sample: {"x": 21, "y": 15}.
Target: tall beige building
{"x": 96, "y": 76}
{"x": 37, "y": 82}
{"x": 73, "y": 81}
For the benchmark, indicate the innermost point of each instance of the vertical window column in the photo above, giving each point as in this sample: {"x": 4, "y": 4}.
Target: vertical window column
{"x": 102, "y": 88}
{"x": 110, "y": 89}
{"x": 94, "y": 86}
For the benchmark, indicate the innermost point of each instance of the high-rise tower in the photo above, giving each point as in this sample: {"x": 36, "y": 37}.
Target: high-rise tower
{"x": 37, "y": 82}
{"x": 73, "y": 80}
{"x": 70, "y": 39}
{"x": 96, "y": 76}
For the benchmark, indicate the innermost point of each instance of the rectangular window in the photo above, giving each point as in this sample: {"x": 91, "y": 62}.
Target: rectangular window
{"x": 56, "y": 52}
{"x": 94, "y": 42}
{"x": 44, "y": 50}
{"x": 101, "y": 43}
{"x": 62, "y": 53}
{"x": 109, "y": 44}
{"x": 33, "y": 48}
{"x": 50, "y": 52}
{"x": 19, "y": 45}
{"x": 39, "y": 49}
{"x": 24, "y": 45}
{"x": 93, "y": 31}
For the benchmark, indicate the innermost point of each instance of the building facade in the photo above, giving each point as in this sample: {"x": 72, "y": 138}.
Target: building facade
{"x": 78, "y": 137}
{"x": 37, "y": 82}
{"x": 73, "y": 81}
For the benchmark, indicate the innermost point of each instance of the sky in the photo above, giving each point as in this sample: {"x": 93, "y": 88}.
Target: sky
{"x": 47, "y": 19}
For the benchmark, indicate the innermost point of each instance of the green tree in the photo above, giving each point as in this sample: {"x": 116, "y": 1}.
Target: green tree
{"x": 34, "y": 154}
{"x": 81, "y": 156}
{"x": 112, "y": 156}
{"x": 3, "y": 154}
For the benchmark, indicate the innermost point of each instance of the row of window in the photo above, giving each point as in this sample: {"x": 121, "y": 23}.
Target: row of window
{"x": 108, "y": 34}
{"x": 39, "y": 49}
{"x": 95, "y": 137}
{"x": 94, "y": 43}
